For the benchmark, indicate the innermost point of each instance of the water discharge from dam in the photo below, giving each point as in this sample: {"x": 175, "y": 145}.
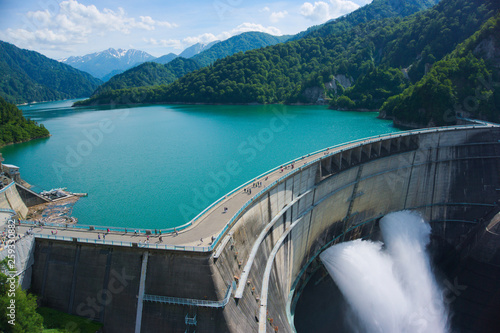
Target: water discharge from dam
{"x": 390, "y": 287}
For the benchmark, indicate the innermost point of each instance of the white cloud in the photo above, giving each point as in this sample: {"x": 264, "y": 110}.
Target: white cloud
{"x": 75, "y": 22}
{"x": 166, "y": 24}
{"x": 276, "y": 16}
{"x": 245, "y": 27}
{"x": 265, "y": 9}
{"x": 322, "y": 11}
{"x": 204, "y": 39}
{"x": 174, "y": 43}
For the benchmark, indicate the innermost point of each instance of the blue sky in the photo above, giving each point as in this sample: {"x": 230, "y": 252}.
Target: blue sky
{"x": 59, "y": 29}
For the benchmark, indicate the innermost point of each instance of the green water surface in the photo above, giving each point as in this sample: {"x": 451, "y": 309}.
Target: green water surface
{"x": 158, "y": 166}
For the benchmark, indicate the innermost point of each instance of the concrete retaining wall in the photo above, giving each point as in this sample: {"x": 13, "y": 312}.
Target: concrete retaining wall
{"x": 29, "y": 197}
{"x": 10, "y": 199}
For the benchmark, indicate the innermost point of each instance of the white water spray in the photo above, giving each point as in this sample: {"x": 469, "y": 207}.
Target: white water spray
{"x": 391, "y": 289}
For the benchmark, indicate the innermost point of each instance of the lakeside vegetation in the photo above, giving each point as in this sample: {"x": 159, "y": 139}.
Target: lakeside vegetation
{"x": 60, "y": 322}
{"x": 15, "y": 128}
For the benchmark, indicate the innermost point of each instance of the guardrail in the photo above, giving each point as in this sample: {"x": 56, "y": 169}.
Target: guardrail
{"x": 8, "y": 210}
{"x": 7, "y": 186}
{"x": 191, "y": 302}
{"x": 331, "y": 151}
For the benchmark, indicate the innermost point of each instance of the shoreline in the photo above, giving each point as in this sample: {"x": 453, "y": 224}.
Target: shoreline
{"x": 13, "y": 143}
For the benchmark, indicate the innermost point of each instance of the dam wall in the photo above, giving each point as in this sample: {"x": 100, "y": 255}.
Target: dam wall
{"x": 253, "y": 277}
{"x": 103, "y": 283}
{"x": 451, "y": 177}
{"x": 10, "y": 199}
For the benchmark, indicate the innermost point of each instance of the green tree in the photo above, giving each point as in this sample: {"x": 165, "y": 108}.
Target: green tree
{"x": 26, "y": 319}
{"x": 15, "y": 128}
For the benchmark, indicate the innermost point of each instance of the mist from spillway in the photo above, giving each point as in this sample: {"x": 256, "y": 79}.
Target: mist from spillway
{"x": 390, "y": 286}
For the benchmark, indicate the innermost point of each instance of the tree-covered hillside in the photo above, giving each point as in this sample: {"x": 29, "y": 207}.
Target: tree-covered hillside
{"x": 465, "y": 83}
{"x": 287, "y": 73}
{"x": 28, "y": 76}
{"x": 15, "y": 128}
{"x": 412, "y": 46}
{"x": 150, "y": 74}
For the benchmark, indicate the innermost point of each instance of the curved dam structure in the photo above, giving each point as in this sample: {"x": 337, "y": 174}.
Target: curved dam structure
{"x": 251, "y": 276}
{"x": 10, "y": 200}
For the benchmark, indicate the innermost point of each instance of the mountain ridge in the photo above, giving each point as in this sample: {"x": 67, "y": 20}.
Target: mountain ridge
{"x": 197, "y": 48}
{"x": 28, "y": 76}
{"x": 100, "y": 64}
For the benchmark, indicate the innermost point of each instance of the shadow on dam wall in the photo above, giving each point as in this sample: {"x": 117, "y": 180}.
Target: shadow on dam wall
{"x": 265, "y": 261}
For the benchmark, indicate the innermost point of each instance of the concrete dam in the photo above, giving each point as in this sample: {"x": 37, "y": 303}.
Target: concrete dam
{"x": 251, "y": 277}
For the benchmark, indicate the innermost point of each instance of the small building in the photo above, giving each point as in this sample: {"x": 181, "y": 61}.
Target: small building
{"x": 12, "y": 172}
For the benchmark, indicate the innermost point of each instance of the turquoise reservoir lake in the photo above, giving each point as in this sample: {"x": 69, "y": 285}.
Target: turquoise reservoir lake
{"x": 158, "y": 166}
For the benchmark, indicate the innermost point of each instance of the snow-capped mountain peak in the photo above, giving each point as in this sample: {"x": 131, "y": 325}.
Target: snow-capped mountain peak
{"x": 99, "y": 64}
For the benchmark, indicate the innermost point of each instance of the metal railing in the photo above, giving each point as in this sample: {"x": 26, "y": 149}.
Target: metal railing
{"x": 8, "y": 210}
{"x": 6, "y": 187}
{"x": 189, "y": 301}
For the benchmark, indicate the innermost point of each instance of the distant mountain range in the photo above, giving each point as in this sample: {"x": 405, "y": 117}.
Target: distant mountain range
{"x": 417, "y": 69}
{"x": 108, "y": 63}
{"x": 101, "y": 64}
{"x": 28, "y": 76}
{"x": 149, "y": 73}
{"x": 111, "y": 62}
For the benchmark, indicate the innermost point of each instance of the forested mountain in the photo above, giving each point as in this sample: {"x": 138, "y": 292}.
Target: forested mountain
{"x": 101, "y": 64}
{"x": 165, "y": 58}
{"x": 239, "y": 43}
{"x": 377, "y": 10}
{"x": 465, "y": 83}
{"x": 15, "y": 128}
{"x": 304, "y": 70}
{"x": 28, "y": 76}
{"x": 149, "y": 74}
